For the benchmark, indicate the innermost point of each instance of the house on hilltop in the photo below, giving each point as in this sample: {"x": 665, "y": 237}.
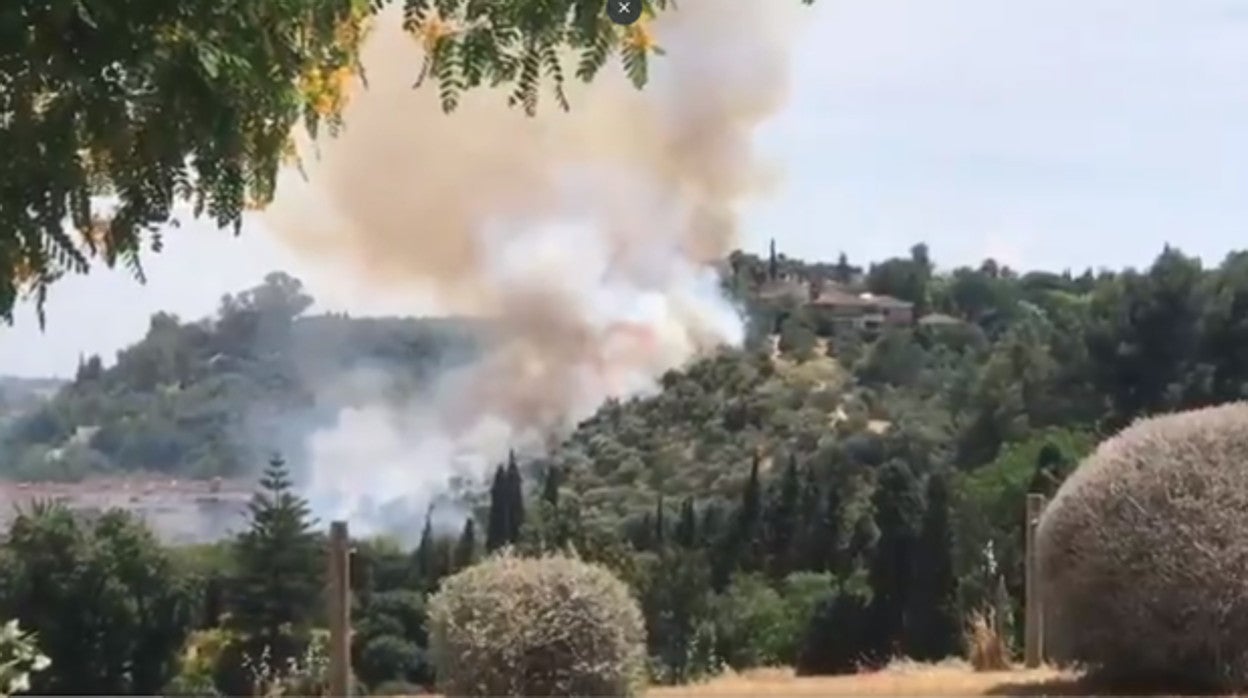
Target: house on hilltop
{"x": 830, "y": 303}
{"x": 835, "y": 307}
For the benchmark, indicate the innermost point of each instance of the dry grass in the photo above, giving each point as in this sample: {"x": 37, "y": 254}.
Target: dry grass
{"x": 901, "y": 679}
{"x": 985, "y": 642}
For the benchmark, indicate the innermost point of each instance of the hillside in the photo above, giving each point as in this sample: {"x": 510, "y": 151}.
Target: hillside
{"x": 851, "y": 479}
{"x": 190, "y": 399}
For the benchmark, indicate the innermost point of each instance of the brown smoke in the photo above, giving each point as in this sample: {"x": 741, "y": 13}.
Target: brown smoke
{"x": 409, "y": 186}
{"x": 585, "y": 234}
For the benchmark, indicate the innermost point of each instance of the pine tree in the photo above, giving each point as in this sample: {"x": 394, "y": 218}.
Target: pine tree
{"x": 496, "y": 530}
{"x": 514, "y": 493}
{"x": 898, "y": 505}
{"x": 933, "y": 628}
{"x": 281, "y": 570}
{"x": 466, "y": 547}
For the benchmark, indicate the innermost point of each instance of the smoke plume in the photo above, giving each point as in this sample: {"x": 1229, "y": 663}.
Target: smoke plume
{"x": 588, "y": 238}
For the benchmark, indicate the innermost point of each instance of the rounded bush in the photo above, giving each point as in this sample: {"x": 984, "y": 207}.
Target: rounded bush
{"x": 1143, "y": 553}
{"x": 511, "y": 626}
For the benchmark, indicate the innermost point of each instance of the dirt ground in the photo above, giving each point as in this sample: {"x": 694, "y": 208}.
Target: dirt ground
{"x": 905, "y": 680}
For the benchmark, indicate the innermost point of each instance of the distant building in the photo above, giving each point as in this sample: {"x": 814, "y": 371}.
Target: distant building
{"x": 834, "y": 308}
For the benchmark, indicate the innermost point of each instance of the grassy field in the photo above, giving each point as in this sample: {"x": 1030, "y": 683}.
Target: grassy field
{"x": 898, "y": 680}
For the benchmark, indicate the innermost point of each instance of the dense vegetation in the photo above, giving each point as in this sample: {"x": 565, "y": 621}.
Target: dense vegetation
{"x": 191, "y": 398}
{"x": 850, "y": 499}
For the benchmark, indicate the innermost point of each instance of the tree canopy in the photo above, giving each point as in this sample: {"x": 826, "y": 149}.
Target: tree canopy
{"x": 111, "y": 114}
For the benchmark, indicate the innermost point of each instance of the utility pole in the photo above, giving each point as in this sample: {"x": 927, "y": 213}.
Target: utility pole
{"x": 1033, "y": 632}
{"x": 339, "y": 610}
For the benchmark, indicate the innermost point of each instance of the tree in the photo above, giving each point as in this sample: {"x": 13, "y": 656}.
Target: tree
{"x": 782, "y": 520}
{"x": 107, "y": 603}
{"x": 898, "y": 504}
{"x": 746, "y": 546}
{"x": 933, "y": 629}
{"x": 550, "y": 486}
{"x": 157, "y": 104}
{"x": 280, "y": 582}
{"x": 466, "y": 547}
{"x": 389, "y": 639}
{"x": 686, "y": 533}
{"x": 425, "y": 557}
{"x": 496, "y": 531}
{"x": 514, "y": 493}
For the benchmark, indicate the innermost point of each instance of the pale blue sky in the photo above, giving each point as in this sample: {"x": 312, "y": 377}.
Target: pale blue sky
{"x": 1046, "y": 133}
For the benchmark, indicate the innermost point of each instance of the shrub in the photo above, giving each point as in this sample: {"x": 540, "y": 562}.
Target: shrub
{"x": 834, "y": 636}
{"x": 542, "y": 626}
{"x": 1144, "y": 550}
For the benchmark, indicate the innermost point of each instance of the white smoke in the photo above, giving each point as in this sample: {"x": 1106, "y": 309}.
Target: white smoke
{"x": 588, "y": 239}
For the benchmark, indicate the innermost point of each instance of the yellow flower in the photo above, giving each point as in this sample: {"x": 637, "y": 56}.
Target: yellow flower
{"x": 324, "y": 104}
{"x": 340, "y": 77}
{"x": 640, "y": 37}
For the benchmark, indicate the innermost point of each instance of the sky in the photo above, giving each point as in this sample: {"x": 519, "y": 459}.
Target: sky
{"x": 1044, "y": 133}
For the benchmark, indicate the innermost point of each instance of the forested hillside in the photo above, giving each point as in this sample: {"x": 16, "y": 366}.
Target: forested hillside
{"x": 846, "y": 488}
{"x": 1001, "y": 385}
{"x": 187, "y": 399}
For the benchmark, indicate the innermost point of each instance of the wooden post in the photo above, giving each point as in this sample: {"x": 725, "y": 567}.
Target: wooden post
{"x": 339, "y": 610}
{"x": 1033, "y": 632}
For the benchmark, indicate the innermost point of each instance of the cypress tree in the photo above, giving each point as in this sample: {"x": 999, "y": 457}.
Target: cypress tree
{"x": 550, "y": 488}
{"x": 829, "y": 553}
{"x": 898, "y": 505}
{"x": 933, "y": 628}
{"x": 426, "y": 566}
{"x": 747, "y": 549}
{"x": 514, "y": 492}
{"x": 466, "y": 547}
{"x": 781, "y": 523}
{"x": 687, "y": 526}
{"x": 808, "y": 546}
{"x": 496, "y": 530}
{"x": 660, "y": 524}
